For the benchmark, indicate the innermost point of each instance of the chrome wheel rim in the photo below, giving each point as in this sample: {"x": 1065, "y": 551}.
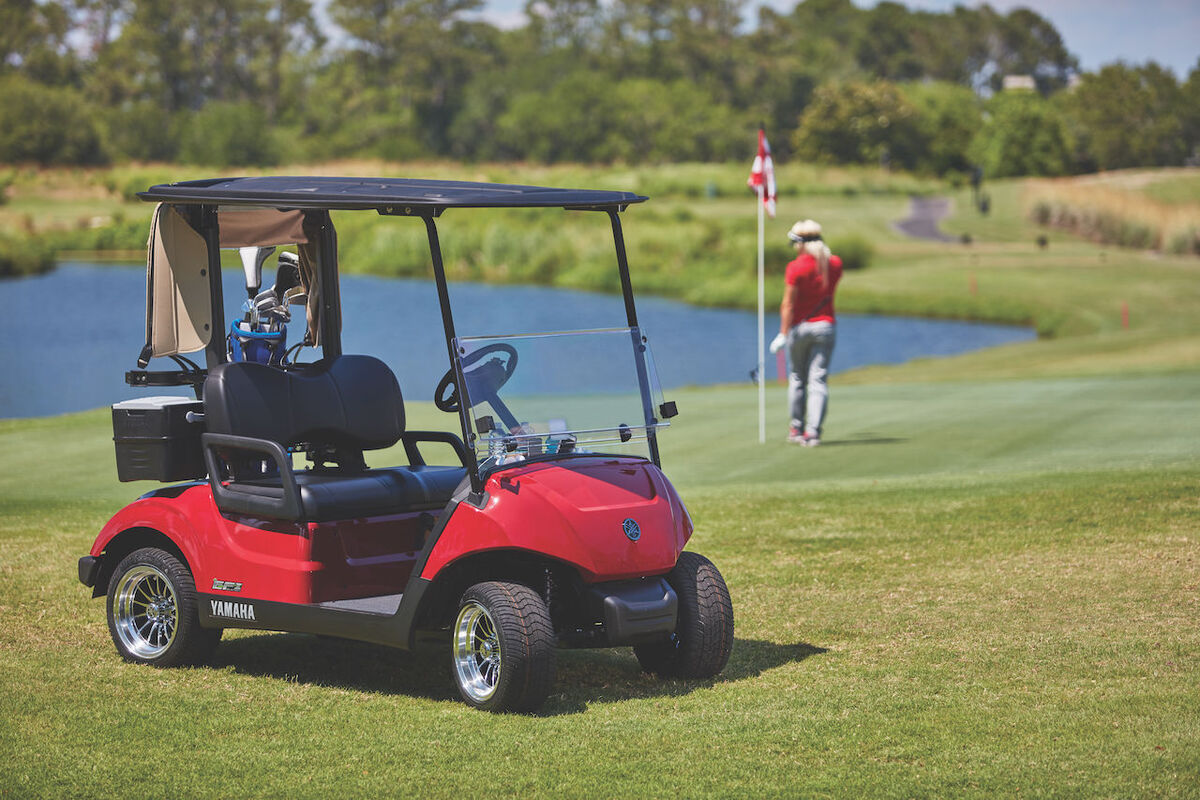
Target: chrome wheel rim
{"x": 476, "y": 652}
{"x": 146, "y": 612}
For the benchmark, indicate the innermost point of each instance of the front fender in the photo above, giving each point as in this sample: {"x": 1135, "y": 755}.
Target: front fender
{"x": 574, "y": 511}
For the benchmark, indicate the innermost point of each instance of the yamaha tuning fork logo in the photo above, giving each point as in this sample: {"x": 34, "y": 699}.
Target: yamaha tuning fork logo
{"x": 632, "y": 531}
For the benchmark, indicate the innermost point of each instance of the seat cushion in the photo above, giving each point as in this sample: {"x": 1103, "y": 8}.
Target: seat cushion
{"x": 327, "y": 496}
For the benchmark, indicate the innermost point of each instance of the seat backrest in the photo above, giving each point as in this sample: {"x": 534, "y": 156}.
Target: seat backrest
{"x": 351, "y": 402}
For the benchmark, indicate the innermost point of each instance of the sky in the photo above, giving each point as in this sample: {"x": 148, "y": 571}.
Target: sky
{"x": 1098, "y": 32}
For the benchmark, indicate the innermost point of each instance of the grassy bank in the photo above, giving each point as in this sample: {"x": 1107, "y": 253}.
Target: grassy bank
{"x": 973, "y": 589}
{"x": 98, "y": 211}
{"x": 696, "y": 241}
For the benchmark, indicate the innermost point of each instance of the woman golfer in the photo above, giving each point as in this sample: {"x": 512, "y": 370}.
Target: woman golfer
{"x": 806, "y": 326}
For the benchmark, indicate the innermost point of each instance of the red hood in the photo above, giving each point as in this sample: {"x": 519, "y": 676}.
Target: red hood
{"x": 575, "y": 510}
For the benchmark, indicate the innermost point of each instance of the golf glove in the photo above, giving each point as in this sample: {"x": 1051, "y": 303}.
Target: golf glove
{"x": 778, "y": 342}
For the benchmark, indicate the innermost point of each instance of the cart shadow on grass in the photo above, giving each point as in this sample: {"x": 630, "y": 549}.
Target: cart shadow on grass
{"x": 585, "y": 677}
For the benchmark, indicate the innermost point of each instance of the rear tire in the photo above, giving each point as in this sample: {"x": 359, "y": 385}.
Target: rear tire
{"x": 152, "y": 614}
{"x": 703, "y": 637}
{"x": 502, "y": 648}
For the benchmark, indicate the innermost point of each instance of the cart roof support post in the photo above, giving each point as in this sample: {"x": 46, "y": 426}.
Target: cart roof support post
{"x": 623, "y": 267}
{"x": 639, "y": 346}
{"x": 214, "y": 353}
{"x": 331, "y": 299}
{"x": 439, "y": 275}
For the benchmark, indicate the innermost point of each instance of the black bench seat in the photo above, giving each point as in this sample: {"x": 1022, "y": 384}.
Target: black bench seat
{"x": 326, "y": 496}
{"x": 342, "y": 406}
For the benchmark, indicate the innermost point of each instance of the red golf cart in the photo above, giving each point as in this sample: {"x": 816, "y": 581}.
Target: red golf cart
{"x": 546, "y": 523}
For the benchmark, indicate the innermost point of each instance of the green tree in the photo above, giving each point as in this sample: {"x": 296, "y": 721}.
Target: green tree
{"x": 885, "y": 44}
{"x": 786, "y": 59}
{"x": 679, "y": 121}
{"x": 1022, "y": 134}
{"x": 573, "y": 25}
{"x": 184, "y": 55}
{"x": 46, "y": 124}
{"x": 418, "y": 54}
{"x": 227, "y": 135}
{"x": 571, "y": 121}
{"x": 1130, "y": 116}
{"x": 859, "y": 123}
{"x": 138, "y": 130}
{"x": 948, "y": 118}
{"x": 1190, "y": 112}
{"x": 1025, "y": 43}
{"x": 33, "y": 41}
{"x": 635, "y": 120}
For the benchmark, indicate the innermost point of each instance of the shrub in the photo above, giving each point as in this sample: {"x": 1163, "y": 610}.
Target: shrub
{"x": 1104, "y": 213}
{"x": 855, "y": 251}
{"x": 227, "y": 135}
{"x": 140, "y": 131}
{"x": 19, "y": 256}
{"x": 1185, "y": 242}
{"x": 120, "y": 233}
{"x": 46, "y": 124}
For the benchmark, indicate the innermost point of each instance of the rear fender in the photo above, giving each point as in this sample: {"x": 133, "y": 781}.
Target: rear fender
{"x": 151, "y": 522}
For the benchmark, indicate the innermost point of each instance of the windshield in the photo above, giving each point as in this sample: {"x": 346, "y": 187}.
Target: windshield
{"x": 559, "y": 393}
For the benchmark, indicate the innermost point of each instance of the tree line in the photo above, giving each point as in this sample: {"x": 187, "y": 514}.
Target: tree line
{"x": 258, "y": 82}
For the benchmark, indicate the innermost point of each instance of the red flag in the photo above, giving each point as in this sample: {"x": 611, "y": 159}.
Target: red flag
{"x": 763, "y": 173}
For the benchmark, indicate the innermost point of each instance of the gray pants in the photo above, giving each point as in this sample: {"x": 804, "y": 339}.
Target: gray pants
{"x": 810, "y": 348}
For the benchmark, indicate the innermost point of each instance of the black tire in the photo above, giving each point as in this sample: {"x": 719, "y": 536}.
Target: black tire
{"x": 152, "y": 614}
{"x": 703, "y": 637}
{"x": 502, "y": 648}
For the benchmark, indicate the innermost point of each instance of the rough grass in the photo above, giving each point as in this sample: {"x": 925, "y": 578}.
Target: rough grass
{"x": 971, "y": 589}
{"x": 1148, "y": 210}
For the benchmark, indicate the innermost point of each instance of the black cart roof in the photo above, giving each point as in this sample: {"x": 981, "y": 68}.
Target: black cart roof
{"x": 388, "y": 195}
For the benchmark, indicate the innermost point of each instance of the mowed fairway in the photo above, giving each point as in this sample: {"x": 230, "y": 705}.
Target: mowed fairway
{"x": 981, "y": 588}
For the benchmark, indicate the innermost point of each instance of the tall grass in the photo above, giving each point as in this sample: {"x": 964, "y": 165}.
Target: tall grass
{"x": 678, "y": 255}
{"x": 680, "y": 249}
{"x": 1113, "y": 214}
{"x": 24, "y": 256}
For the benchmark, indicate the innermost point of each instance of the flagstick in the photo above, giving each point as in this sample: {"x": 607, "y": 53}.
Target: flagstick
{"x": 762, "y": 375}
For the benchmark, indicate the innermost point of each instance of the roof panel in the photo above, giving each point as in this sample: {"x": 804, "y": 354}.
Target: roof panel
{"x": 380, "y": 193}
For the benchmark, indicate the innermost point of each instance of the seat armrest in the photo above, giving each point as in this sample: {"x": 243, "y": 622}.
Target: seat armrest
{"x": 410, "y": 439}
{"x": 228, "y": 498}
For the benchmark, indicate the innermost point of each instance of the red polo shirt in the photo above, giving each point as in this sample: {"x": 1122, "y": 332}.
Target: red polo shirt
{"x": 813, "y": 302}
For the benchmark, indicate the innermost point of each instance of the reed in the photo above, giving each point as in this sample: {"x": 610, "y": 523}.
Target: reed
{"x": 23, "y": 257}
{"x": 1115, "y": 213}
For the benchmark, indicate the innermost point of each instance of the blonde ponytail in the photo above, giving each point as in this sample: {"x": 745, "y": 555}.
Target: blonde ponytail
{"x": 819, "y": 251}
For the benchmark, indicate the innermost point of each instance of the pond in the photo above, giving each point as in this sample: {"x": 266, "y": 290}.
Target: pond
{"x": 69, "y": 336}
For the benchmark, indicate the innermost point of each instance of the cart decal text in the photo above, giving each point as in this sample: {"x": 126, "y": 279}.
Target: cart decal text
{"x": 221, "y": 608}
{"x": 227, "y": 586}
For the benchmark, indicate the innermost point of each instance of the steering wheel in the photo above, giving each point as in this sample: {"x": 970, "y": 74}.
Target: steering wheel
{"x": 500, "y": 372}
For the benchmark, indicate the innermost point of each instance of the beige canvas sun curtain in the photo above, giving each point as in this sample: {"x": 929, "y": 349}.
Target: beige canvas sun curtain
{"x": 179, "y": 303}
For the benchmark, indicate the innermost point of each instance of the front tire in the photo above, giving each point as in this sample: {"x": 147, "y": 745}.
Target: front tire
{"x": 152, "y": 614}
{"x": 502, "y": 648}
{"x": 703, "y": 637}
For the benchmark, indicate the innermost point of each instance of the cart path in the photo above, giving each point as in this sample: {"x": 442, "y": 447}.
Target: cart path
{"x": 924, "y": 214}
